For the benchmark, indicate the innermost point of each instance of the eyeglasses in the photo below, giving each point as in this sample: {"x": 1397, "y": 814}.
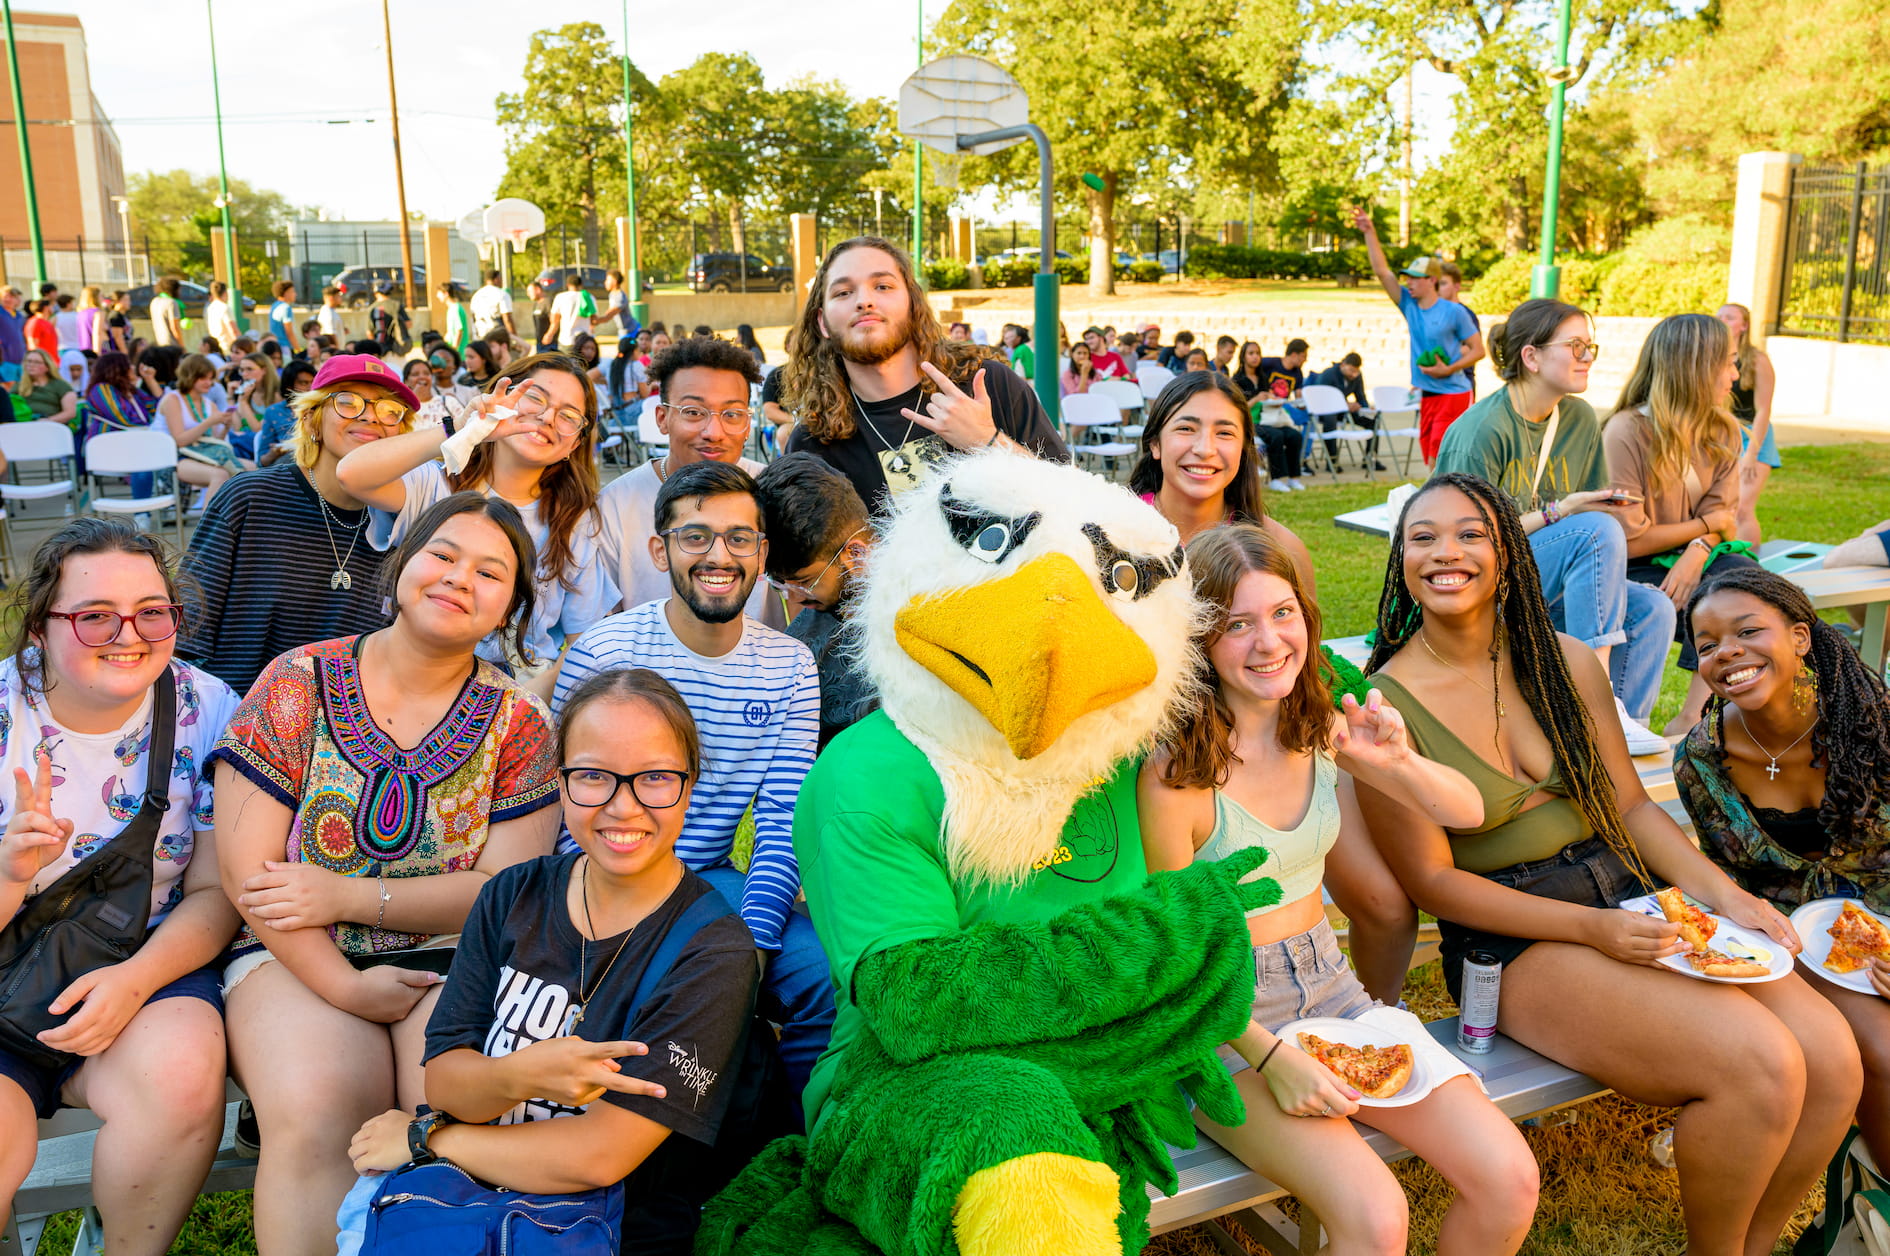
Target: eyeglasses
{"x": 1582, "y": 350}
{"x": 695, "y": 538}
{"x": 536, "y": 404}
{"x": 385, "y": 410}
{"x": 696, "y": 414}
{"x": 151, "y": 623}
{"x": 805, "y": 591}
{"x": 597, "y": 787}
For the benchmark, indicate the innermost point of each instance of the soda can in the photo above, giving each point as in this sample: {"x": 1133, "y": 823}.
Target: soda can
{"x": 1482, "y": 985}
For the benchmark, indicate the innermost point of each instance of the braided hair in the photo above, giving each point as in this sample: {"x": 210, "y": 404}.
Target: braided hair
{"x": 1536, "y": 658}
{"x": 1852, "y": 736}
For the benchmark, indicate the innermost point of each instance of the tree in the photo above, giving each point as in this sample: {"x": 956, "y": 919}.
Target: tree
{"x": 1185, "y": 92}
{"x": 175, "y": 210}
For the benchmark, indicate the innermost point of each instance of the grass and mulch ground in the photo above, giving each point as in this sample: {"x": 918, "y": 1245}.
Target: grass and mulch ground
{"x": 1602, "y": 1193}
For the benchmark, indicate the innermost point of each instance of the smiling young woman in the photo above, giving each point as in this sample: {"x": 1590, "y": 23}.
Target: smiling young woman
{"x": 372, "y": 785}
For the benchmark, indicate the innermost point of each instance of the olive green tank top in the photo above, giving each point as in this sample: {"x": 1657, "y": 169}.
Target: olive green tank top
{"x": 1508, "y": 834}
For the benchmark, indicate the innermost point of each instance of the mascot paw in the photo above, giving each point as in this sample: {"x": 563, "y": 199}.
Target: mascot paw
{"x": 1044, "y": 1204}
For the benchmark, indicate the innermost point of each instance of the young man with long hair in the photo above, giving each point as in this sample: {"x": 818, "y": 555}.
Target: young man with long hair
{"x": 879, "y": 389}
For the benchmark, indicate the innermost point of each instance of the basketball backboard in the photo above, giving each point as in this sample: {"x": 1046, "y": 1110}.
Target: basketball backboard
{"x": 961, "y": 95}
{"x": 514, "y": 221}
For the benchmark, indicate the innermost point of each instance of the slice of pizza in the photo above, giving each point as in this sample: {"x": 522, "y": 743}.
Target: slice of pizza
{"x": 1696, "y": 926}
{"x": 1719, "y": 964}
{"x": 1375, "y": 1072}
{"x": 1856, "y": 936}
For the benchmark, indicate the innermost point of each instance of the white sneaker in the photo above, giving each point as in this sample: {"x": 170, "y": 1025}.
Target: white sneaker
{"x": 1640, "y": 738}
{"x": 1279, "y": 486}
{"x": 1296, "y": 486}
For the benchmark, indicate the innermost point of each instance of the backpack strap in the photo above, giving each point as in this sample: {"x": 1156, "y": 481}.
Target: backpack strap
{"x": 705, "y": 910}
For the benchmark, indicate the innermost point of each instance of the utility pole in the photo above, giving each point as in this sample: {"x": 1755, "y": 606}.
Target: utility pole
{"x": 400, "y": 174}
{"x": 879, "y": 222}
{"x": 223, "y": 181}
{"x": 633, "y": 279}
{"x": 1545, "y": 279}
{"x": 918, "y": 166}
{"x": 1404, "y": 159}
{"x": 26, "y": 150}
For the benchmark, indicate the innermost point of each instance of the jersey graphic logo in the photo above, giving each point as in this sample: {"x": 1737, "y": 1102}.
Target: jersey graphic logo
{"x": 1092, "y": 842}
{"x": 755, "y": 713}
{"x": 689, "y": 1065}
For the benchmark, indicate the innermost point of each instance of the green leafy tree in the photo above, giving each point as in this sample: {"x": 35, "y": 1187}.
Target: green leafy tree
{"x": 1184, "y": 93}
{"x": 174, "y": 210}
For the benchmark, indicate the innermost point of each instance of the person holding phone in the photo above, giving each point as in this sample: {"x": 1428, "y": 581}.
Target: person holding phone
{"x": 1540, "y": 444}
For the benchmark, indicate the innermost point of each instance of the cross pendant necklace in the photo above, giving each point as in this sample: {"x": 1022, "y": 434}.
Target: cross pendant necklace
{"x": 1771, "y": 769}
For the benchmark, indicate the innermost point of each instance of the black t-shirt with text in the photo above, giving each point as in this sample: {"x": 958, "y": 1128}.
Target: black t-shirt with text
{"x": 1014, "y": 408}
{"x": 514, "y": 982}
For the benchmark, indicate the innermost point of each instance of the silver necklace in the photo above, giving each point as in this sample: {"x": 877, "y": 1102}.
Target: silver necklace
{"x": 341, "y": 579}
{"x": 584, "y": 998}
{"x": 900, "y": 463}
{"x": 1771, "y": 769}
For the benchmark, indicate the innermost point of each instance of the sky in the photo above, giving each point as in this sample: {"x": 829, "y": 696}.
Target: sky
{"x": 305, "y": 88}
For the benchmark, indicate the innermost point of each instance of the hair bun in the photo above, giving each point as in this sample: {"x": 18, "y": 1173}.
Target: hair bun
{"x": 1498, "y": 343}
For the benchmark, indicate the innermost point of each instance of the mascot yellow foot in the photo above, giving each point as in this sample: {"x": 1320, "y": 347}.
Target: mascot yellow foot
{"x": 1039, "y": 1205}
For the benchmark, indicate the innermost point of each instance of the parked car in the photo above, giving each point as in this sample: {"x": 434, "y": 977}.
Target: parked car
{"x": 1169, "y": 258}
{"x": 592, "y": 277}
{"x": 1028, "y": 250}
{"x": 193, "y": 296}
{"x": 723, "y": 272}
{"x": 363, "y": 282}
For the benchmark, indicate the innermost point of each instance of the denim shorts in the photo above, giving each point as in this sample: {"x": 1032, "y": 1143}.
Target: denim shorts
{"x": 42, "y": 1085}
{"x": 1586, "y": 872}
{"x": 1302, "y": 976}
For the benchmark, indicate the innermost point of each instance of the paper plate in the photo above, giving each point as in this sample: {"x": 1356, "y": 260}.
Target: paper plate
{"x": 1811, "y": 920}
{"x": 1353, "y": 1033}
{"x": 1731, "y": 938}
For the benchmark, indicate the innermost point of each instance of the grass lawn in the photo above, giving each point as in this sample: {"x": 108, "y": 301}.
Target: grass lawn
{"x": 1602, "y": 1193}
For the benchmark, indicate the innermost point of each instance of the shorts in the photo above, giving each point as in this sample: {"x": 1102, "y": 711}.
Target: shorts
{"x": 1586, "y": 873}
{"x": 1768, "y": 449}
{"x": 42, "y": 1085}
{"x": 1301, "y": 976}
{"x": 1436, "y": 412}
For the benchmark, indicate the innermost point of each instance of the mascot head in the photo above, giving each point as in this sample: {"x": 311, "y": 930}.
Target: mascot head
{"x": 1027, "y": 625}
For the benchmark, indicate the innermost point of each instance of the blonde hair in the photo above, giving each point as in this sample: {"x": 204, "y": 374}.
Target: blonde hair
{"x": 268, "y": 387}
{"x": 307, "y": 408}
{"x": 1675, "y": 390}
{"x": 1742, "y": 346}
{"x": 89, "y": 297}
{"x": 45, "y": 360}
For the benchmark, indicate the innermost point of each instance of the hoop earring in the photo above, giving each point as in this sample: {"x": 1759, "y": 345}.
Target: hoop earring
{"x": 1805, "y": 688}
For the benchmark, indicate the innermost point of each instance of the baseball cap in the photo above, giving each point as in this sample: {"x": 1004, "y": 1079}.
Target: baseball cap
{"x": 345, "y": 368}
{"x": 1424, "y": 268}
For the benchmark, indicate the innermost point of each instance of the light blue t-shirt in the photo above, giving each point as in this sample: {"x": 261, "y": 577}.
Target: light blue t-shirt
{"x": 1446, "y": 325}
{"x": 280, "y": 315}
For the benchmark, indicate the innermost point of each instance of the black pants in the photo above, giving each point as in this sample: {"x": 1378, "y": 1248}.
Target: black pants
{"x": 1646, "y": 571}
{"x": 1367, "y": 419}
{"x": 1282, "y": 445}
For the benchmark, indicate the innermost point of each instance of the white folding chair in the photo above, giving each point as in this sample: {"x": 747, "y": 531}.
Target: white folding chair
{"x": 649, "y": 436}
{"x": 1086, "y": 412}
{"x": 1127, "y": 397}
{"x": 1394, "y": 401}
{"x": 1152, "y": 377}
{"x": 1323, "y": 401}
{"x": 37, "y": 441}
{"x": 128, "y": 453}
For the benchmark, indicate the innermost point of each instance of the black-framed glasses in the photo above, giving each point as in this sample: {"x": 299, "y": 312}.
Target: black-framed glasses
{"x": 805, "y": 589}
{"x": 151, "y": 623}
{"x": 597, "y": 787}
{"x": 386, "y": 411}
{"x": 696, "y": 538}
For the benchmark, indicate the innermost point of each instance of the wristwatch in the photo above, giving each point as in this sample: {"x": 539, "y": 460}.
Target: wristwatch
{"x": 420, "y": 1136}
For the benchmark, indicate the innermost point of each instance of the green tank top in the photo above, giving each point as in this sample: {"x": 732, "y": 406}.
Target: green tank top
{"x": 1508, "y": 834}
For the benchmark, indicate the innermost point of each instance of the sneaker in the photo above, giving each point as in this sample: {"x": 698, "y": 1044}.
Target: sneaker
{"x": 1640, "y": 738}
{"x": 1377, "y": 465}
{"x": 1295, "y": 485}
{"x": 1279, "y": 486}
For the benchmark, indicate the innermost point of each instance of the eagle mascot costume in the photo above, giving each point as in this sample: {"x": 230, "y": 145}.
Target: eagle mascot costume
{"x": 1023, "y": 1011}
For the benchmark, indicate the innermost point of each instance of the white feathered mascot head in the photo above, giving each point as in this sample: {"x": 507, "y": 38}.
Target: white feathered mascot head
{"x": 1027, "y": 626}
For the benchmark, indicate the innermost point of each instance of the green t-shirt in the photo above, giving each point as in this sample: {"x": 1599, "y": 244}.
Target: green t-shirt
{"x": 867, "y": 836}
{"x": 1493, "y": 441}
{"x": 45, "y": 400}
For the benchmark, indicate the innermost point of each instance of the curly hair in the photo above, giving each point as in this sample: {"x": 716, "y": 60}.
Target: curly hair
{"x": 1535, "y": 656}
{"x": 815, "y": 386}
{"x": 1852, "y": 736}
{"x": 1201, "y": 753}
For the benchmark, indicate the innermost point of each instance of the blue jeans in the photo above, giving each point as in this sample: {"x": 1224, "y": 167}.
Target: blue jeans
{"x": 797, "y": 989}
{"x": 1583, "y": 564}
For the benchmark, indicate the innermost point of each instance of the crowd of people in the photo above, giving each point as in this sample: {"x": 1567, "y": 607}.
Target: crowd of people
{"x": 455, "y": 735}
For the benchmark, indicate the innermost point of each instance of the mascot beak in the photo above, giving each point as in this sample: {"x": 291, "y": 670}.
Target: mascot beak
{"x": 1032, "y": 652}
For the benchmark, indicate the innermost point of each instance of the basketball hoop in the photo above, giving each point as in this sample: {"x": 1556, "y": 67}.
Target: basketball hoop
{"x": 517, "y": 237}
{"x": 945, "y": 169}
{"x": 514, "y": 221}
{"x": 960, "y": 95}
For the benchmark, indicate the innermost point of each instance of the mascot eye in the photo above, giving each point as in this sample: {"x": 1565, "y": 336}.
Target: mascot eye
{"x": 1125, "y": 577}
{"x": 1131, "y": 576}
{"x": 992, "y": 543}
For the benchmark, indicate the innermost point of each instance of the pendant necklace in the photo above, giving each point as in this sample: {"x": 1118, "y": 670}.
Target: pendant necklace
{"x": 585, "y": 996}
{"x": 899, "y": 464}
{"x": 341, "y": 579}
{"x": 1771, "y": 769}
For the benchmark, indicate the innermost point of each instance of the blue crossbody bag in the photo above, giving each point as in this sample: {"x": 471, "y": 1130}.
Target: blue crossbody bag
{"x": 438, "y": 1209}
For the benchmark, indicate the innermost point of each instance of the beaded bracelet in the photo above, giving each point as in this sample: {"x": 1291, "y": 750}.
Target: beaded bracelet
{"x": 380, "y": 917}
{"x": 1551, "y": 512}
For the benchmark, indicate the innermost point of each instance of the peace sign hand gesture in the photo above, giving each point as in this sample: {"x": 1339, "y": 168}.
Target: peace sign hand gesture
{"x": 33, "y": 837}
{"x": 1373, "y": 734}
{"x": 963, "y": 422}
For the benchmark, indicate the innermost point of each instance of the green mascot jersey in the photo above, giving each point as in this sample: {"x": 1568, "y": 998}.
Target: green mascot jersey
{"x": 868, "y": 835}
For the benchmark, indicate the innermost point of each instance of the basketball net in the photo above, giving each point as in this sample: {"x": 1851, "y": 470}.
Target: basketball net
{"x": 945, "y": 169}
{"x": 518, "y": 239}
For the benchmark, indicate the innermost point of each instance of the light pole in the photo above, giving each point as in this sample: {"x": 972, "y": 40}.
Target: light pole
{"x": 918, "y": 167}
{"x": 124, "y": 222}
{"x": 400, "y": 174}
{"x": 1545, "y": 280}
{"x": 26, "y": 149}
{"x": 879, "y": 222}
{"x": 223, "y": 179}
{"x": 639, "y": 309}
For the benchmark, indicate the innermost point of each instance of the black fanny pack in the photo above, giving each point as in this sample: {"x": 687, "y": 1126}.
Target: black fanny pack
{"x": 91, "y": 917}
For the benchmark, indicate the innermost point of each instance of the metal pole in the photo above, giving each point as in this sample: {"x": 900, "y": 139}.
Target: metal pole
{"x": 633, "y": 279}
{"x": 1044, "y": 283}
{"x": 223, "y": 179}
{"x": 1404, "y": 159}
{"x": 400, "y": 175}
{"x": 26, "y": 150}
{"x": 1546, "y": 279}
{"x": 918, "y": 165}
{"x": 1850, "y": 253}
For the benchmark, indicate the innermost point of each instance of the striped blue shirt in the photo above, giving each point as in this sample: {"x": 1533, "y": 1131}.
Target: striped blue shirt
{"x": 757, "y": 709}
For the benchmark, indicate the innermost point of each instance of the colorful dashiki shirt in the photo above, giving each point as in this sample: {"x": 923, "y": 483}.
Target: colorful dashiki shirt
{"x": 365, "y": 807}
